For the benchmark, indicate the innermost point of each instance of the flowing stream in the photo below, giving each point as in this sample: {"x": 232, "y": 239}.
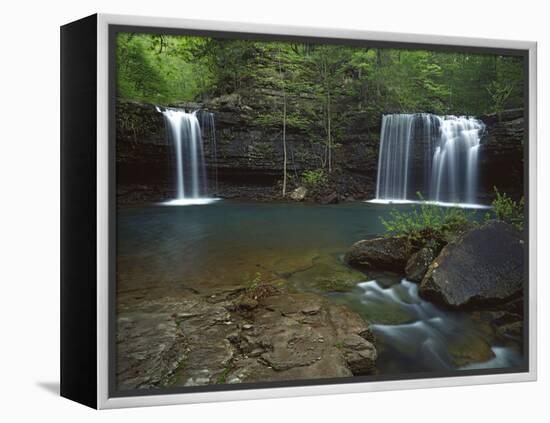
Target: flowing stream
{"x": 434, "y": 155}
{"x": 414, "y": 335}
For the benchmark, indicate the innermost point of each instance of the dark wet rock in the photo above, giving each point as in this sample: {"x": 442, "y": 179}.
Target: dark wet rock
{"x": 467, "y": 349}
{"x": 298, "y": 194}
{"x": 418, "y": 264}
{"x": 385, "y": 279}
{"x": 379, "y": 254}
{"x": 287, "y": 336}
{"x": 331, "y": 198}
{"x": 483, "y": 321}
{"x": 507, "y": 325}
{"x": 483, "y": 268}
{"x": 500, "y": 324}
{"x": 499, "y": 318}
{"x": 512, "y": 330}
{"x": 514, "y": 306}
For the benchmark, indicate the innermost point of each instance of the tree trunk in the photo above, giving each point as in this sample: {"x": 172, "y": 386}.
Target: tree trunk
{"x": 285, "y": 155}
{"x": 284, "y": 144}
{"x": 329, "y": 132}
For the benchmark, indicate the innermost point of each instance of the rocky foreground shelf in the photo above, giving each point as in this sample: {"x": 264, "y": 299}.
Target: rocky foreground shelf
{"x": 244, "y": 336}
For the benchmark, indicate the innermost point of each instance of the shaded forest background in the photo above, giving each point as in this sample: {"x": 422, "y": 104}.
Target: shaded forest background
{"x": 170, "y": 69}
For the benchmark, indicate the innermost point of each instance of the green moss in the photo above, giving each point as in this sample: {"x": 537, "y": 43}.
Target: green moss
{"x": 222, "y": 377}
{"x": 175, "y": 376}
{"x": 387, "y": 314}
{"x": 327, "y": 274}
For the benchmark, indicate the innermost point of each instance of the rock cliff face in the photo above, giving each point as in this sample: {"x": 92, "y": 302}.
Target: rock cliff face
{"x": 501, "y": 157}
{"x": 143, "y": 163}
{"x": 250, "y": 155}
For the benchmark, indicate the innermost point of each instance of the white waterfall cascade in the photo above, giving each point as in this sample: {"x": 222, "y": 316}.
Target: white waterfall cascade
{"x": 184, "y": 133}
{"x": 434, "y": 155}
{"x": 393, "y": 160}
{"x": 208, "y": 126}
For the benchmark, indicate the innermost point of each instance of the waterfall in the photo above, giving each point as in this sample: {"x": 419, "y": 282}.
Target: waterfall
{"x": 209, "y": 132}
{"x": 184, "y": 133}
{"x": 434, "y": 155}
{"x": 394, "y": 148}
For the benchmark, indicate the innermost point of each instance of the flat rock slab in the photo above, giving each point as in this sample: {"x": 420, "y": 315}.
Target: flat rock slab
{"x": 483, "y": 268}
{"x": 157, "y": 340}
{"x": 193, "y": 340}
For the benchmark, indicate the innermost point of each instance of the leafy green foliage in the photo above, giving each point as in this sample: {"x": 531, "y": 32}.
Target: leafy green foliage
{"x": 159, "y": 68}
{"x": 427, "y": 223}
{"x": 313, "y": 179}
{"x": 259, "y": 287}
{"x": 508, "y": 210}
{"x": 255, "y": 282}
{"x": 500, "y": 93}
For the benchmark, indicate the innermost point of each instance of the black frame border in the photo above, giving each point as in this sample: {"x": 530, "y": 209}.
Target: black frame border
{"x": 78, "y": 211}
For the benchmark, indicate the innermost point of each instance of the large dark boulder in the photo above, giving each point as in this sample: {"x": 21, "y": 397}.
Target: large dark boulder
{"x": 483, "y": 268}
{"x": 419, "y": 263}
{"x": 380, "y": 254}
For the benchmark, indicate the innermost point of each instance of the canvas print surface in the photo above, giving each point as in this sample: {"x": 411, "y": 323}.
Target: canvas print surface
{"x": 298, "y": 210}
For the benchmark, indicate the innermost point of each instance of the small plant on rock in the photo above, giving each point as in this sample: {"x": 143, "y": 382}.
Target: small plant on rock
{"x": 508, "y": 210}
{"x": 313, "y": 179}
{"x": 427, "y": 224}
{"x": 258, "y": 288}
